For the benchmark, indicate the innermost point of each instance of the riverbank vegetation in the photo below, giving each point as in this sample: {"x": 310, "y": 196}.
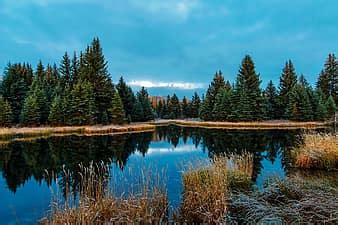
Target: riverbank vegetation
{"x": 80, "y": 91}
{"x": 318, "y": 151}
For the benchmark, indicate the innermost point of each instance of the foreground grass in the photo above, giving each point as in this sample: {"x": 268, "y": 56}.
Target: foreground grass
{"x": 291, "y": 201}
{"x": 318, "y": 151}
{"x": 97, "y": 205}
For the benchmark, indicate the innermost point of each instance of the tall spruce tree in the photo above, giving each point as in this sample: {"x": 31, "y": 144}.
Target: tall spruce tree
{"x": 93, "y": 68}
{"x": 288, "y": 79}
{"x": 74, "y": 69}
{"x": 6, "y": 114}
{"x": 30, "y": 114}
{"x": 318, "y": 105}
{"x": 116, "y": 111}
{"x": 222, "y": 108}
{"x": 331, "y": 108}
{"x": 174, "y": 107}
{"x": 142, "y": 107}
{"x": 195, "y": 105}
{"x": 249, "y": 96}
{"x": 299, "y": 107}
{"x": 82, "y": 105}
{"x": 328, "y": 78}
{"x": 185, "y": 108}
{"x": 15, "y": 85}
{"x": 127, "y": 97}
{"x": 210, "y": 97}
{"x": 271, "y": 101}
{"x": 65, "y": 70}
{"x": 56, "y": 115}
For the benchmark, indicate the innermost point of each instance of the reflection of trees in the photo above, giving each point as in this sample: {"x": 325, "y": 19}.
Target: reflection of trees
{"x": 19, "y": 161}
{"x": 22, "y": 160}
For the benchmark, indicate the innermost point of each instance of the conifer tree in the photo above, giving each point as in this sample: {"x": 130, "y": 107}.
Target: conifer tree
{"x": 222, "y": 108}
{"x": 142, "y": 107}
{"x": 127, "y": 97}
{"x": 318, "y": 105}
{"x": 137, "y": 114}
{"x": 56, "y": 114}
{"x": 185, "y": 108}
{"x": 74, "y": 69}
{"x": 299, "y": 107}
{"x": 30, "y": 114}
{"x": 82, "y": 105}
{"x": 159, "y": 109}
{"x": 271, "y": 101}
{"x": 65, "y": 70}
{"x": 288, "y": 79}
{"x": 116, "y": 111}
{"x": 249, "y": 96}
{"x": 195, "y": 105}
{"x": 174, "y": 107}
{"x": 6, "y": 114}
{"x": 331, "y": 108}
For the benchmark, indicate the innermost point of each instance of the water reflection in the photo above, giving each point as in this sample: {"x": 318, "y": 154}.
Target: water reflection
{"x": 23, "y": 165}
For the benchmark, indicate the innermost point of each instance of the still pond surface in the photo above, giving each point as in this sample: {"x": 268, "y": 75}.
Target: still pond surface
{"x": 26, "y": 190}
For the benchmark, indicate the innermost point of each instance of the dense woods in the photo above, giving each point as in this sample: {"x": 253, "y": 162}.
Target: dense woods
{"x": 80, "y": 91}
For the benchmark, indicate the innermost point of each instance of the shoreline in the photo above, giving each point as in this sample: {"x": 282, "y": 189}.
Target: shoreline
{"x": 21, "y": 132}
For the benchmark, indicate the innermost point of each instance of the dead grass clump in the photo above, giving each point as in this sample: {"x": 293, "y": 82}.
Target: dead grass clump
{"x": 319, "y": 151}
{"x": 205, "y": 193}
{"x": 286, "y": 202}
{"x": 97, "y": 205}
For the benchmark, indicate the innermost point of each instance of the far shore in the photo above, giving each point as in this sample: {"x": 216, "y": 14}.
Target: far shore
{"x": 20, "y": 132}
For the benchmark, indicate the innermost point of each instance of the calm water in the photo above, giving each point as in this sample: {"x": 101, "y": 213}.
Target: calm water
{"x": 25, "y": 192}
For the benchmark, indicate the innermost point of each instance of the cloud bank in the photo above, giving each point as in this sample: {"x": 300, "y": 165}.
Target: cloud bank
{"x": 175, "y": 85}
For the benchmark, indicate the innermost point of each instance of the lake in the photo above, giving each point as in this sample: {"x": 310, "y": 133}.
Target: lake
{"x": 26, "y": 183}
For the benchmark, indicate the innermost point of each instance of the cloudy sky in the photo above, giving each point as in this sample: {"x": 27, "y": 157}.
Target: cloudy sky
{"x": 174, "y": 44}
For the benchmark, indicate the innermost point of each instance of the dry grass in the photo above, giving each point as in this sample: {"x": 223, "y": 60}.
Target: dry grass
{"x": 292, "y": 201}
{"x": 206, "y": 189}
{"x": 257, "y": 125}
{"x": 97, "y": 205}
{"x": 319, "y": 151}
{"x": 10, "y": 133}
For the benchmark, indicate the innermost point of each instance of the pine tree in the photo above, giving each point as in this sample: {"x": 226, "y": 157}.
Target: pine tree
{"x": 272, "y": 101}
{"x": 142, "y": 107}
{"x": 6, "y": 114}
{"x": 82, "y": 106}
{"x": 174, "y": 107}
{"x": 127, "y": 97}
{"x": 185, "y": 108}
{"x": 288, "y": 79}
{"x": 138, "y": 114}
{"x": 56, "y": 114}
{"x": 222, "y": 108}
{"x": 74, "y": 69}
{"x": 299, "y": 107}
{"x": 30, "y": 114}
{"x": 116, "y": 111}
{"x": 210, "y": 97}
{"x": 93, "y": 68}
{"x": 331, "y": 107}
{"x": 159, "y": 109}
{"x": 328, "y": 79}
{"x": 15, "y": 85}
{"x": 249, "y": 96}
{"x": 318, "y": 105}
{"x": 65, "y": 70}
{"x": 195, "y": 105}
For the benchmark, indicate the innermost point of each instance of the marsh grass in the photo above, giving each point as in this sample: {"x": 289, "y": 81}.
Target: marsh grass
{"x": 98, "y": 205}
{"x": 206, "y": 189}
{"x": 318, "y": 151}
{"x": 291, "y": 201}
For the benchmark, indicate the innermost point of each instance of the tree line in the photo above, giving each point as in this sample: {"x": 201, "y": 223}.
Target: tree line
{"x": 294, "y": 98}
{"x": 80, "y": 92}
{"x": 77, "y": 92}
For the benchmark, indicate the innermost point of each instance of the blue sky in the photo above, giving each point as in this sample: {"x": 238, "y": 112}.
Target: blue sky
{"x": 175, "y": 43}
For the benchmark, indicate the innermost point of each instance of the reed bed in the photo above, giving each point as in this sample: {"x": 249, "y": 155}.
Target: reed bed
{"x": 318, "y": 151}
{"x": 98, "y": 205}
{"x": 206, "y": 190}
{"x": 291, "y": 201}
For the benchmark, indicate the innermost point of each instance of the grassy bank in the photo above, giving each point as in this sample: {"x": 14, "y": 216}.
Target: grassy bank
{"x": 263, "y": 125}
{"x": 28, "y": 132}
{"x": 318, "y": 151}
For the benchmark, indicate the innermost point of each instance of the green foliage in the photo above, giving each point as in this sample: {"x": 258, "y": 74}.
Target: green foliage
{"x": 138, "y": 114}
{"x": 82, "y": 104}
{"x": 222, "y": 108}
{"x": 195, "y": 105}
{"x": 142, "y": 107}
{"x": 328, "y": 79}
{"x": 30, "y": 114}
{"x": 331, "y": 107}
{"x": 116, "y": 111}
{"x": 299, "y": 108}
{"x": 127, "y": 97}
{"x": 288, "y": 80}
{"x": 271, "y": 96}
{"x": 6, "y": 114}
{"x": 56, "y": 115}
{"x": 185, "y": 108}
{"x": 174, "y": 107}
{"x": 248, "y": 102}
